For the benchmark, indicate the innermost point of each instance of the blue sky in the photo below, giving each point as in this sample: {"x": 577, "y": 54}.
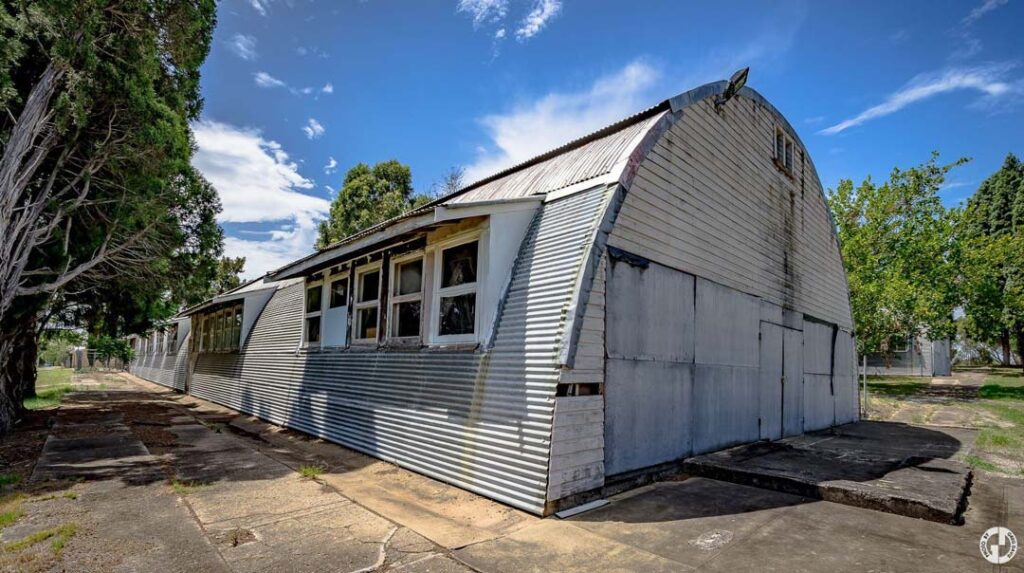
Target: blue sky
{"x": 298, "y": 91}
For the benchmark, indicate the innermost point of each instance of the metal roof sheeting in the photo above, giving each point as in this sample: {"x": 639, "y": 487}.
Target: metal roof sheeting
{"x": 478, "y": 420}
{"x": 590, "y": 160}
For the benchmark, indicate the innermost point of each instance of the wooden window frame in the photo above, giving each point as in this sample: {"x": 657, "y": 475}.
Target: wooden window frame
{"x": 393, "y": 300}
{"x": 357, "y": 285}
{"x": 784, "y": 157}
{"x": 437, "y": 292}
{"x": 308, "y": 314}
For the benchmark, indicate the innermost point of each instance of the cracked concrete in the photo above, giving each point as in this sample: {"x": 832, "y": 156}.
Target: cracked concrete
{"x": 240, "y": 505}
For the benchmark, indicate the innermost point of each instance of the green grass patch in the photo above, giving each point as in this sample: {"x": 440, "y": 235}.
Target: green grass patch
{"x": 992, "y": 437}
{"x": 896, "y": 388}
{"x": 53, "y": 377}
{"x": 311, "y": 472}
{"x": 9, "y": 479}
{"x": 47, "y": 396}
{"x": 186, "y": 487}
{"x": 980, "y": 464}
{"x": 60, "y": 535}
{"x": 11, "y": 509}
{"x": 1002, "y": 391}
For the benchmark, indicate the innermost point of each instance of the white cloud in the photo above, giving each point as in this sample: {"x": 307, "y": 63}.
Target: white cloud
{"x": 500, "y": 34}
{"x": 281, "y": 246}
{"x": 313, "y": 129}
{"x": 557, "y": 118}
{"x": 979, "y": 11}
{"x": 257, "y": 182}
{"x": 244, "y": 46}
{"x": 332, "y": 166}
{"x": 483, "y": 11}
{"x": 260, "y": 6}
{"x": 265, "y": 80}
{"x": 989, "y": 79}
{"x": 542, "y": 13}
{"x": 328, "y": 88}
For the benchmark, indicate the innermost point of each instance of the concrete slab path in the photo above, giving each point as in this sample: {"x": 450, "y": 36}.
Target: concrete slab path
{"x": 228, "y": 497}
{"x": 897, "y": 468}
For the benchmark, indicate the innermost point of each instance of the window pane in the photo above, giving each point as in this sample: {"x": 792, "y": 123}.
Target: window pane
{"x": 410, "y": 277}
{"x": 458, "y": 265}
{"x": 369, "y": 286}
{"x": 780, "y": 144}
{"x": 458, "y": 314}
{"x": 789, "y": 155}
{"x": 339, "y": 293}
{"x": 236, "y": 334}
{"x": 406, "y": 319}
{"x": 313, "y": 329}
{"x": 366, "y": 323}
{"x": 313, "y": 298}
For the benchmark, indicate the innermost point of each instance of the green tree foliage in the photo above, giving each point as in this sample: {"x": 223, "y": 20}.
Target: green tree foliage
{"x": 97, "y": 196}
{"x": 229, "y": 270}
{"x": 369, "y": 195}
{"x": 992, "y": 235}
{"x": 900, "y": 254}
{"x": 108, "y": 348}
{"x": 55, "y": 350}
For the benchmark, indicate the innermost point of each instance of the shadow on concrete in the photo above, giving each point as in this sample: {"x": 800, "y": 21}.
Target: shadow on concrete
{"x": 139, "y": 438}
{"x": 892, "y": 467}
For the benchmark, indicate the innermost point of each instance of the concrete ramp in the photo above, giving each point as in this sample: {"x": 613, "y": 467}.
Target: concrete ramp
{"x": 897, "y": 468}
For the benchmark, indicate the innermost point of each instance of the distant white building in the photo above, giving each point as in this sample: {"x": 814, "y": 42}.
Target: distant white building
{"x": 922, "y": 357}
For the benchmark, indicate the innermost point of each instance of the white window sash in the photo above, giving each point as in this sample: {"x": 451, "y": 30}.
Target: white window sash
{"x": 358, "y": 306}
{"x": 311, "y": 314}
{"x": 438, "y": 292}
{"x": 396, "y": 299}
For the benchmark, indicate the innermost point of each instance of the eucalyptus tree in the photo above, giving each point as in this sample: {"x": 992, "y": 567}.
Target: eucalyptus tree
{"x": 900, "y": 253}
{"x": 369, "y": 195}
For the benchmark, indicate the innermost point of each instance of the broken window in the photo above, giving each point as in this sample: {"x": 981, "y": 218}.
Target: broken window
{"x": 314, "y": 307}
{"x": 367, "y": 304}
{"x": 406, "y": 297}
{"x": 339, "y": 293}
{"x": 456, "y": 295}
{"x": 784, "y": 149}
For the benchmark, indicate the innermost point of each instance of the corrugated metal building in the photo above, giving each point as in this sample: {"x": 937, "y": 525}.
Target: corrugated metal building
{"x": 666, "y": 286}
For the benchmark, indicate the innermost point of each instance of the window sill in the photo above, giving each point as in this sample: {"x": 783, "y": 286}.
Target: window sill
{"x": 392, "y": 347}
{"x": 782, "y": 168}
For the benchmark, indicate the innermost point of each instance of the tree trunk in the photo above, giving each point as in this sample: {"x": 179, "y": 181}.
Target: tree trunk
{"x": 1004, "y": 339}
{"x": 1020, "y": 345}
{"x": 19, "y": 350}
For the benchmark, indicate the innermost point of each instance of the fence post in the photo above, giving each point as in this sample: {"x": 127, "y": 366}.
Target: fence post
{"x": 864, "y": 386}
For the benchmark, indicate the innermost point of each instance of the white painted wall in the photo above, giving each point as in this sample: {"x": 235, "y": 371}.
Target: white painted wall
{"x": 505, "y": 234}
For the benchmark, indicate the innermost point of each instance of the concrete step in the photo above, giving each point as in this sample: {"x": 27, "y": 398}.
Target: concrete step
{"x": 855, "y": 465}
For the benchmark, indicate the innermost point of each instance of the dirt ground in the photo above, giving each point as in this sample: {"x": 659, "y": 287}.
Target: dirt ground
{"x": 988, "y": 399}
{"x": 128, "y": 476}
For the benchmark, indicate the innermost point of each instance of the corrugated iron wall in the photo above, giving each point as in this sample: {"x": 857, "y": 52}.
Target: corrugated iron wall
{"x": 167, "y": 369}
{"x": 479, "y": 420}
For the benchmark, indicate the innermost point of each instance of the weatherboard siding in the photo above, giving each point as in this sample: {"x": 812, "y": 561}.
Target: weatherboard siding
{"x": 480, "y": 420}
{"x": 709, "y": 200}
